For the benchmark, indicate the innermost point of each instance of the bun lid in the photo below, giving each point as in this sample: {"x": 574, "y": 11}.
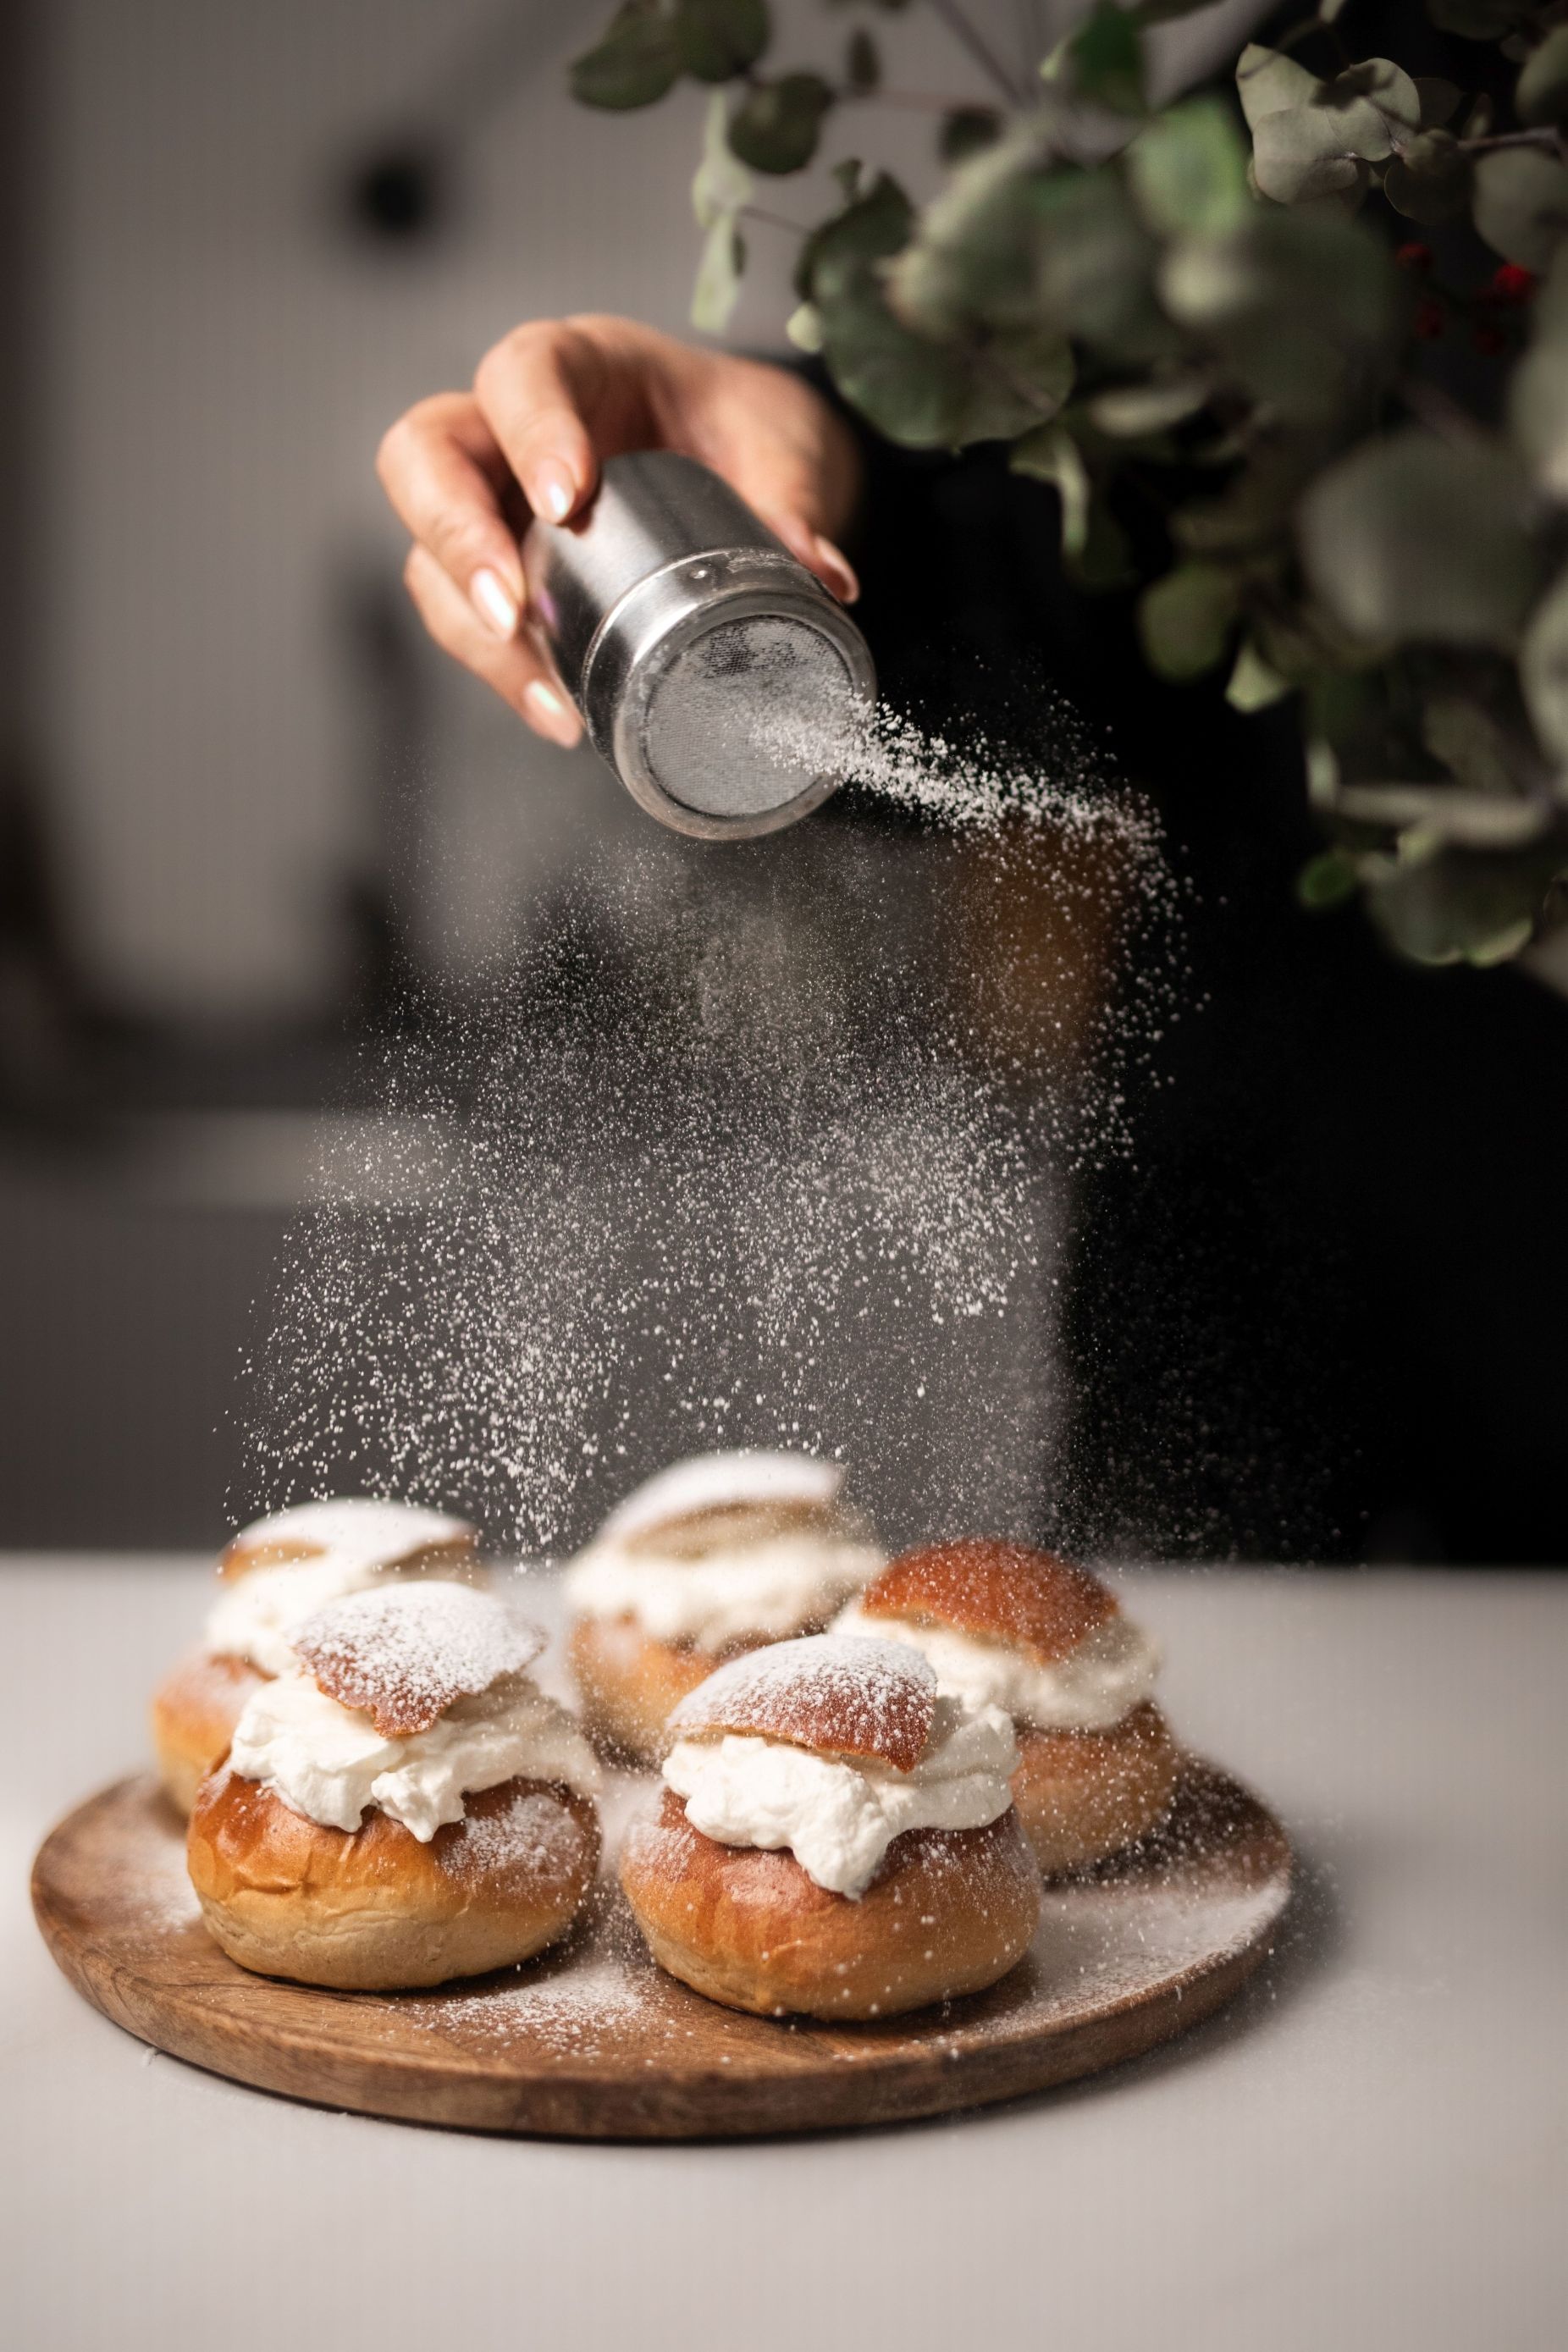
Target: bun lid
{"x": 1007, "y": 1591}
{"x": 402, "y": 1654}
{"x": 837, "y": 1694}
{"x": 363, "y": 1527}
{"x": 749, "y": 1484}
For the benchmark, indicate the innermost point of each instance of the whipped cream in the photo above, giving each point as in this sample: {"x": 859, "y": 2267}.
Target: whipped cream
{"x": 840, "y": 1819}
{"x": 768, "y": 1589}
{"x": 255, "y": 1613}
{"x": 328, "y": 1762}
{"x": 1110, "y": 1673}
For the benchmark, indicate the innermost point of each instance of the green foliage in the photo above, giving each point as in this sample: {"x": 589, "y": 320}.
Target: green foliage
{"x": 966, "y": 130}
{"x": 717, "y": 40}
{"x": 634, "y": 63}
{"x": 776, "y": 125}
{"x": 1103, "y": 60}
{"x": 1214, "y": 308}
{"x": 1410, "y": 539}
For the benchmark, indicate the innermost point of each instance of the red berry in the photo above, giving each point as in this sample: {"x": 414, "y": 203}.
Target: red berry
{"x": 1513, "y": 283}
{"x": 1414, "y": 256}
{"x": 1490, "y": 341}
{"x": 1429, "y": 322}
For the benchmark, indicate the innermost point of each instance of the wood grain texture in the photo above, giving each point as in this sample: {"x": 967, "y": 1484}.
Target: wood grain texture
{"x": 594, "y": 2042}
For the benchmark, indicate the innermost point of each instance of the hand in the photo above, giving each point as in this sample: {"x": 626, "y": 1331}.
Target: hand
{"x": 465, "y": 470}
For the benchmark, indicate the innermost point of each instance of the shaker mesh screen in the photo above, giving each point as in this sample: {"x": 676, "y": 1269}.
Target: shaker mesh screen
{"x": 747, "y": 715}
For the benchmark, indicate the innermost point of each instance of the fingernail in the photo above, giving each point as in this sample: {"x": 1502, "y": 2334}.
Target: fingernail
{"x": 840, "y": 571}
{"x": 551, "y": 715}
{"x": 494, "y": 602}
{"x": 554, "y": 491}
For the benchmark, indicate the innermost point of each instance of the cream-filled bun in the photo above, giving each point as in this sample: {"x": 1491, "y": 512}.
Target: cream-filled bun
{"x": 273, "y": 1575}
{"x": 834, "y": 1838}
{"x": 713, "y": 1557}
{"x": 1003, "y": 1624}
{"x": 405, "y": 1805}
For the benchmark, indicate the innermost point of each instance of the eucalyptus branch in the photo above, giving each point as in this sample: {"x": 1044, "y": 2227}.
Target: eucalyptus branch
{"x": 969, "y": 37}
{"x": 772, "y": 220}
{"x": 1547, "y": 137}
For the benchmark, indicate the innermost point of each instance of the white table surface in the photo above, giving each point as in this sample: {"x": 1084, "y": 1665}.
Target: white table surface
{"x": 1370, "y": 2148}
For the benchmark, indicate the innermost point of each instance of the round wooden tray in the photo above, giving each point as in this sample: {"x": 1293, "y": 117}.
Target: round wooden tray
{"x": 594, "y": 2042}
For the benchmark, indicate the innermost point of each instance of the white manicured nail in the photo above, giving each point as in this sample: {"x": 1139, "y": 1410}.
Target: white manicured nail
{"x": 494, "y": 602}
{"x": 554, "y": 491}
{"x": 554, "y": 717}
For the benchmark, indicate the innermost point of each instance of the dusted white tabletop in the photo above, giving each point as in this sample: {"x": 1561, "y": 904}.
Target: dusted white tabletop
{"x": 1370, "y": 2148}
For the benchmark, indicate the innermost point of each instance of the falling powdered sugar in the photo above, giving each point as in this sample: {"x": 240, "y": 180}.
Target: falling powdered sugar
{"x": 769, "y": 1147}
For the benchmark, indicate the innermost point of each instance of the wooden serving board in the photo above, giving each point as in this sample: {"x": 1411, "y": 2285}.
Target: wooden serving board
{"x": 594, "y": 2042}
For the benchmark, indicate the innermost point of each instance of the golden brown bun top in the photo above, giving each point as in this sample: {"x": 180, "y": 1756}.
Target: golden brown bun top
{"x": 833, "y": 1693}
{"x": 721, "y": 1500}
{"x": 388, "y": 1535}
{"x": 402, "y": 1654}
{"x": 1009, "y": 1591}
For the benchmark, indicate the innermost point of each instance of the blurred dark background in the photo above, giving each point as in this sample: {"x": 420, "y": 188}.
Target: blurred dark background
{"x": 250, "y": 822}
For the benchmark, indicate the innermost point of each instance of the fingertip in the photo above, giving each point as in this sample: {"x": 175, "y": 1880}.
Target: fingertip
{"x": 549, "y": 714}
{"x": 835, "y": 572}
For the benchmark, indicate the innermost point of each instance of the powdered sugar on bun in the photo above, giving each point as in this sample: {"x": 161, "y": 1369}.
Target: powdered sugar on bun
{"x": 750, "y": 1480}
{"x": 361, "y": 1530}
{"x": 1006, "y": 1592}
{"x": 829, "y": 1693}
{"x": 402, "y": 1654}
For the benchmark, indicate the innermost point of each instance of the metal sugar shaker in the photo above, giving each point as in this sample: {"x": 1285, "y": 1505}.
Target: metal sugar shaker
{"x": 719, "y": 678}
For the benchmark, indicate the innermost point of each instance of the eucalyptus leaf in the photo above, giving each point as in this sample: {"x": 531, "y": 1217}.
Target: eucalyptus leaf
{"x": 1439, "y": 99}
{"x": 1543, "y": 670}
{"x": 635, "y": 62}
{"x": 1521, "y": 204}
{"x": 1095, "y": 267}
{"x": 1293, "y": 308}
{"x": 1104, "y": 59}
{"x": 1538, "y": 395}
{"x": 1185, "y": 619}
{"x": 1301, "y": 153}
{"x": 1451, "y": 906}
{"x": 1268, "y": 82}
{"x": 1472, "y": 746}
{"x": 918, "y": 392}
{"x": 1411, "y": 539}
{"x": 719, "y": 276}
{"x": 862, "y": 65}
{"x": 1254, "y": 683}
{"x": 974, "y": 256}
{"x": 1542, "y": 92}
{"x": 1049, "y": 454}
{"x": 967, "y": 131}
{"x": 1188, "y": 171}
{"x": 803, "y": 327}
{"x": 722, "y": 186}
{"x": 1327, "y": 881}
{"x": 1430, "y": 181}
{"x": 717, "y": 40}
{"x": 777, "y": 124}
{"x": 1131, "y": 411}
